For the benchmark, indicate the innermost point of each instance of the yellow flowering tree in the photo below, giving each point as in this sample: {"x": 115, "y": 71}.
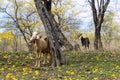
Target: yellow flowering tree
{"x": 64, "y": 18}
{"x": 6, "y": 35}
{"x": 5, "y": 39}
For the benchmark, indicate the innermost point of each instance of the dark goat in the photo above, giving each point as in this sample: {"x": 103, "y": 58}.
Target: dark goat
{"x": 85, "y": 41}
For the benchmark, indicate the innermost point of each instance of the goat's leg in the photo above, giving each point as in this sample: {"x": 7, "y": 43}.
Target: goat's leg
{"x": 45, "y": 58}
{"x": 88, "y": 45}
{"x": 85, "y": 46}
{"x": 36, "y": 60}
{"x": 39, "y": 57}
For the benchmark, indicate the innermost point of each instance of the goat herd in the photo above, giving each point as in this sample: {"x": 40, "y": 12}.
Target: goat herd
{"x": 41, "y": 44}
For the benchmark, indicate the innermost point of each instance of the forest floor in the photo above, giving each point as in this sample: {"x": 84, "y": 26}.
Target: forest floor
{"x": 90, "y": 65}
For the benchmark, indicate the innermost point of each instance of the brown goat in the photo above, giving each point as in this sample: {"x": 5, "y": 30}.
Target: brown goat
{"x": 41, "y": 45}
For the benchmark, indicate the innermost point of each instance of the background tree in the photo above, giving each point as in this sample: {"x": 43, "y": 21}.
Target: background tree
{"x": 66, "y": 17}
{"x": 99, "y": 8}
{"x": 5, "y": 40}
{"x": 110, "y": 29}
{"x": 66, "y": 20}
{"x": 21, "y": 18}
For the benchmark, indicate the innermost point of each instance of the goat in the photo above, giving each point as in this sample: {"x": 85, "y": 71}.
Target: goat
{"x": 75, "y": 46}
{"x": 41, "y": 45}
{"x": 85, "y": 41}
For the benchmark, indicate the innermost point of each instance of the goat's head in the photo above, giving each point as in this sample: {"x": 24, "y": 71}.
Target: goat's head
{"x": 34, "y": 37}
{"x": 79, "y": 36}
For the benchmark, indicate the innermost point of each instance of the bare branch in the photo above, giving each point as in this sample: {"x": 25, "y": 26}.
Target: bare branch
{"x": 98, "y": 4}
{"x": 94, "y": 11}
{"x": 106, "y": 4}
{"x": 30, "y": 14}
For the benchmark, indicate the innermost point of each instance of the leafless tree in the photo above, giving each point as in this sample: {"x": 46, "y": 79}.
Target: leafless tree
{"x": 99, "y": 8}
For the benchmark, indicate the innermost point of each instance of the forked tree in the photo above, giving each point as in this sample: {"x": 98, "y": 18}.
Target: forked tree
{"x": 99, "y": 8}
{"x": 52, "y": 29}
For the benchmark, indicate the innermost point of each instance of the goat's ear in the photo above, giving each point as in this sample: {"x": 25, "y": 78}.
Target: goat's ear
{"x": 38, "y": 37}
{"x": 46, "y": 38}
{"x": 79, "y": 36}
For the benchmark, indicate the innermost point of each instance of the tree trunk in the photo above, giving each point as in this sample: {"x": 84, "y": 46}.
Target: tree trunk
{"x": 97, "y": 41}
{"x": 62, "y": 39}
{"x": 98, "y": 10}
{"x": 51, "y": 32}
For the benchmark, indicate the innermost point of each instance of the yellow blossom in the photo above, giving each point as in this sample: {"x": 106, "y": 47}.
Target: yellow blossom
{"x": 65, "y": 77}
{"x": 95, "y": 78}
{"x": 25, "y": 71}
{"x": 2, "y": 69}
{"x": 114, "y": 76}
{"x": 33, "y": 77}
{"x": 117, "y": 67}
{"x": 70, "y": 78}
{"x": 13, "y": 78}
{"x": 67, "y": 72}
{"x": 8, "y": 75}
{"x": 5, "y": 56}
{"x": 95, "y": 70}
{"x": 72, "y": 72}
{"x": 37, "y": 72}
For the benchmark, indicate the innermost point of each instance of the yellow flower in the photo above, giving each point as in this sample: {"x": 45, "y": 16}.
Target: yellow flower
{"x": 8, "y": 75}
{"x": 13, "y": 66}
{"x": 2, "y": 69}
{"x": 13, "y": 78}
{"x": 6, "y": 56}
{"x": 33, "y": 77}
{"x": 59, "y": 75}
{"x": 95, "y": 78}
{"x": 59, "y": 69}
{"x": 65, "y": 77}
{"x": 117, "y": 67}
{"x": 67, "y": 72}
{"x": 31, "y": 57}
{"x": 70, "y": 78}
{"x": 25, "y": 71}
{"x": 46, "y": 72}
{"x": 37, "y": 72}
{"x": 101, "y": 71}
{"x": 95, "y": 70}
{"x": 72, "y": 72}
{"x": 114, "y": 76}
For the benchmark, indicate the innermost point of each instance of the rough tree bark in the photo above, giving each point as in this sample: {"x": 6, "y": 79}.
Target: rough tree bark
{"x": 98, "y": 9}
{"x": 51, "y": 32}
{"x": 62, "y": 39}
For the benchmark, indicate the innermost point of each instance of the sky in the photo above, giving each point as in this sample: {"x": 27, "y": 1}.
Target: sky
{"x": 85, "y": 11}
{"x": 86, "y": 14}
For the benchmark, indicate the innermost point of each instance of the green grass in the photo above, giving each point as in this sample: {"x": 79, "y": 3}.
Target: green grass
{"x": 79, "y": 66}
